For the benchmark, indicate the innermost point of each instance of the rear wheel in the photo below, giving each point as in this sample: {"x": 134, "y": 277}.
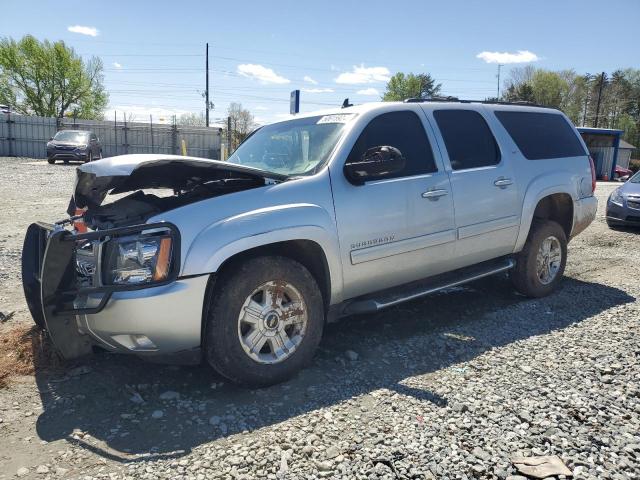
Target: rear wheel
{"x": 265, "y": 321}
{"x": 540, "y": 264}
{"x": 51, "y": 161}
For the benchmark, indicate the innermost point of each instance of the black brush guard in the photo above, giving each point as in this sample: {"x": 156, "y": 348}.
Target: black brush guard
{"x": 51, "y": 287}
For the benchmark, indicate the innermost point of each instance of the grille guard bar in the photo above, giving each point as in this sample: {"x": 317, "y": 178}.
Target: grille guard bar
{"x": 50, "y": 279}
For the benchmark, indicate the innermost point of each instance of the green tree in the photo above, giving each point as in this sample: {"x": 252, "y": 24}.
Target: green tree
{"x": 401, "y": 86}
{"x": 50, "y": 79}
{"x": 519, "y": 93}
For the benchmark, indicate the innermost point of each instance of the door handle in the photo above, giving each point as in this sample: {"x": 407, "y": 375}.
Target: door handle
{"x": 434, "y": 194}
{"x": 503, "y": 182}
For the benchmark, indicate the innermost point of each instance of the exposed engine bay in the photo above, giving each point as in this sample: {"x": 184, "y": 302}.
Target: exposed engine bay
{"x": 159, "y": 184}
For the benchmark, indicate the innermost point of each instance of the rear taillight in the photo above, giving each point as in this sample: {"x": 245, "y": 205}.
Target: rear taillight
{"x": 593, "y": 174}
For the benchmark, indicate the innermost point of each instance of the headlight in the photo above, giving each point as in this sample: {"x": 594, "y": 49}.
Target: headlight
{"x": 616, "y": 197}
{"x": 137, "y": 259}
{"x": 81, "y": 147}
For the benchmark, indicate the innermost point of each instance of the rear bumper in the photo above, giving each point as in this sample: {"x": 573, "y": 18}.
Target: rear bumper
{"x": 584, "y": 212}
{"x": 163, "y": 321}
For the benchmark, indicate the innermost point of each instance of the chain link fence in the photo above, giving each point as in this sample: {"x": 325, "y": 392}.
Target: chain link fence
{"x": 27, "y": 136}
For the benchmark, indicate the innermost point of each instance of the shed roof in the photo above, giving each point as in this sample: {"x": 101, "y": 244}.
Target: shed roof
{"x": 626, "y": 145}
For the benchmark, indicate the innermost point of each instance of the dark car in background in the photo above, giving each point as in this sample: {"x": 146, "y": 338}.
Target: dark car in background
{"x": 80, "y": 145}
{"x": 623, "y": 206}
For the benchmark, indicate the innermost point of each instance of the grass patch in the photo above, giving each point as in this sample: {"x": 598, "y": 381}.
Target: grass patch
{"x": 23, "y": 350}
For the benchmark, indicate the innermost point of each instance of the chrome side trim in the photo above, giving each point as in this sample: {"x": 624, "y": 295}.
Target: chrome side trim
{"x": 486, "y": 227}
{"x": 401, "y": 246}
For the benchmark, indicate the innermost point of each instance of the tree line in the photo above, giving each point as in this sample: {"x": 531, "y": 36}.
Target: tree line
{"x": 591, "y": 100}
{"x": 50, "y": 79}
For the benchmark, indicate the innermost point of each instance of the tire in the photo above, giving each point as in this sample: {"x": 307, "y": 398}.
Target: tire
{"x": 100, "y": 154}
{"x": 51, "y": 161}
{"x": 227, "y": 333}
{"x": 525, "y": 276}
{"x": 89, "y": 157}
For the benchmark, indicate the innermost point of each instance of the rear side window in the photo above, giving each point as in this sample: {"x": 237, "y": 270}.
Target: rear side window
{"x": 541, "y": 135}
{"x": 469, "y": 142}
{"x": 404, "y": 131}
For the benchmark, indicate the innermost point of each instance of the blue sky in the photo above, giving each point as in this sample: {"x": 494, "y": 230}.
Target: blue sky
{"x": 153, "y": 51}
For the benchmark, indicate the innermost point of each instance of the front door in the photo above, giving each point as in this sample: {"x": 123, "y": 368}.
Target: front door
{"x": 399, "y": 228}
{"x": 485, "y": 194}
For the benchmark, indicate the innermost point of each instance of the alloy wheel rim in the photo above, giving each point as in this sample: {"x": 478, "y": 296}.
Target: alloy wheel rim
{"x": 548, "y": 260}
{"x": 272, "y": 322}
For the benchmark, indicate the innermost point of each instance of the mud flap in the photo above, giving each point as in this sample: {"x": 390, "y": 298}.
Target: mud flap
{"x": 57, "y": 280}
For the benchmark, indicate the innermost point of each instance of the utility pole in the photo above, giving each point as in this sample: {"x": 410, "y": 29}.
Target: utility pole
{"x": 229, "y": 134}
{"x": 499, "y": 66}
{"x": 599, "y": 98}
{"x": 206, "y": 92}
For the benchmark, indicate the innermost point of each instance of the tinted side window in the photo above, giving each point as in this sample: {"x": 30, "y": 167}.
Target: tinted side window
{"x": 469, "y": 141}
{"x": 404, "y": 131}
{"x": 541, "y": 135}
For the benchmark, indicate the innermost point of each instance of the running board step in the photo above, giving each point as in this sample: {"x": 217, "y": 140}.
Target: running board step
{"x": 404, "y": 293}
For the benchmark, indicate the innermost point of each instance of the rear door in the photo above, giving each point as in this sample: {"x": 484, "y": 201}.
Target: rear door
{"x": 485, "y": 192}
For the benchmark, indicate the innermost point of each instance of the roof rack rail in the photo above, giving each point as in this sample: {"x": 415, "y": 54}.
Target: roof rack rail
{"x": 432, "y": 99}
{"x": 520, "y": 103}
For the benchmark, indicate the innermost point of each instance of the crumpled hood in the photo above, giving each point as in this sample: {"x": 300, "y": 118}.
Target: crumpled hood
{"x": 126, "y": 173}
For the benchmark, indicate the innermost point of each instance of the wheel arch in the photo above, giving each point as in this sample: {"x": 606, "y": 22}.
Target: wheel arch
{"x": 552, "y": 203}
{"x": 306, "y": 252}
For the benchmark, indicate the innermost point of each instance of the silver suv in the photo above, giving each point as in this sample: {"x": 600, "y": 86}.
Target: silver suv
{"x": 335, "y": 213}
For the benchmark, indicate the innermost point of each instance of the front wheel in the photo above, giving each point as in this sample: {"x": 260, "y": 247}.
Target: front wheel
{"x": 90, "y": 156}
{"x": 540, "y": 264}
{"x": 265, "y": 321}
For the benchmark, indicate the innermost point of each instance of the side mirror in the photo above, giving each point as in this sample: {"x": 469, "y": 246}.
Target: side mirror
{"x": 376, "y": 163}
{"x": 50, "y": 138}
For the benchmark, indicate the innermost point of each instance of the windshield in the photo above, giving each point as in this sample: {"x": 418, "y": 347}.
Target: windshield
{"x": 635, "y": 178}
{"x": 70, "y": 136}
{"x": 294, "y": 147}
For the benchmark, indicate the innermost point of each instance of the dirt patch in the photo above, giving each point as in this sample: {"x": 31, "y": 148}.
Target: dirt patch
{"x": 23, "y": 349}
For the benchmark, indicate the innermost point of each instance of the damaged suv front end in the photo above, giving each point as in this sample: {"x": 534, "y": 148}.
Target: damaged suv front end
{"x": 109, "y": 276}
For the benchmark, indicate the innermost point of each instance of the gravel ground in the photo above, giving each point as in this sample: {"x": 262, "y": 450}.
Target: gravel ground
{"x": 450, "y": 387}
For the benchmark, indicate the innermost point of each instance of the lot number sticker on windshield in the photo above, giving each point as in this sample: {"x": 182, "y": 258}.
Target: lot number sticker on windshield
{"x": 336, "y": 118}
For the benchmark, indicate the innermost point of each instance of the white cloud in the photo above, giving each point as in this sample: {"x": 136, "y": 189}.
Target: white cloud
{"x": 82, "y": 30}
{"x": 369, "y": 91}
{"x": 521, "y": 56}
{"x": 261, "y": 73}
{"x": 362, "y": 74}
{"x": 261, "y": 107}
{"x": 310, "y": 80}
{"x": 317, "y": 90}
{"x": 117, "y": 65}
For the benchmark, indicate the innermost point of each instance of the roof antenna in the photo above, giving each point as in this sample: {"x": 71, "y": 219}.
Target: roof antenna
{"x": 346, "y": 103}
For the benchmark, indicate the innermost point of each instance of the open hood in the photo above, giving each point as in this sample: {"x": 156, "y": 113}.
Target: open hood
{"x": 127, "y": 173}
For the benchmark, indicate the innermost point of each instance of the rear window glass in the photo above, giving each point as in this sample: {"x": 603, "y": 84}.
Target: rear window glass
{"x": 469, "y": 142}
{"x": 541, "y": 135}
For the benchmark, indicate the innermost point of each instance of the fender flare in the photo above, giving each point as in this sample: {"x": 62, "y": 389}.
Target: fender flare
{"x": 538, "y": 190}
{"x": 225, "y": 238}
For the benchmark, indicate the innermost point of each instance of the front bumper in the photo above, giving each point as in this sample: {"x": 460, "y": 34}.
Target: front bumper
{"x": 622, "y": 214}
{"x": 163, "y": 321}
{"x": 67, "y": 154}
